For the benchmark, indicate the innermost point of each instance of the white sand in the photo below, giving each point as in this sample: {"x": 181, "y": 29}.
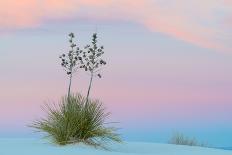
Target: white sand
{"x": 40, "y": 147}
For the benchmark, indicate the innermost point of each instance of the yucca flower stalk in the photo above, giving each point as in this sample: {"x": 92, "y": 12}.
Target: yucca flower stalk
{"x": 93, "y": 61}
{"x": 71, "y": 61}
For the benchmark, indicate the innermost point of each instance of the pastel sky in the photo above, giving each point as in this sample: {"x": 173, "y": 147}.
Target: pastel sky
{"x": 169, "y": 64}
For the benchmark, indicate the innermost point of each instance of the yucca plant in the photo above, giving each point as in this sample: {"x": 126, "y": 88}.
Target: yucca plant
{"x": 73, "y": 121}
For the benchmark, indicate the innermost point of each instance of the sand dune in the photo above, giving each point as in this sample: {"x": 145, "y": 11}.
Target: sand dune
{"x": 40, "y": 147}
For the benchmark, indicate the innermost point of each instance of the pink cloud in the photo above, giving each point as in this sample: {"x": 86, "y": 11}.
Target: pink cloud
{"x": 14, "y": 14}
{"x": 32, "y": 13}
{"x": 197, "y": 22}
{"x": 229, "y": 2}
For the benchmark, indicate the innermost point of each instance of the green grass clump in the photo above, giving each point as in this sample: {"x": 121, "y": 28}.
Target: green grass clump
{"x": 74, "y": 120}
{"x": 181, "y": 139}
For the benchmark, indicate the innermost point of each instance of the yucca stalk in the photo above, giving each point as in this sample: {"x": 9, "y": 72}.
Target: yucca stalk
{"x": 71, "y": 61}
{"x": 93, "y": 61}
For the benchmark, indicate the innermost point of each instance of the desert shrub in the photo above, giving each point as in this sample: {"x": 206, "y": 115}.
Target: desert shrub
{"x": 74, "y": 120}
{"x": 181, "y": 139}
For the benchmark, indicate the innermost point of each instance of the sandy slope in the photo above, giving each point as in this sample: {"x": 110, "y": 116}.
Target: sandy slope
{"x": 38, "y": 147}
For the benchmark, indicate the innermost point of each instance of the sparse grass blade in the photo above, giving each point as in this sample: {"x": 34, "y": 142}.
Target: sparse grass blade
{"x": 181, "y": 139}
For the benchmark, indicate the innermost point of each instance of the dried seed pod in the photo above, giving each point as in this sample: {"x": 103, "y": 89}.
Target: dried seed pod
{"x": 99, "y": 75}
{"x": 73, "y": 45}
{"x": 71, "y": 35}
